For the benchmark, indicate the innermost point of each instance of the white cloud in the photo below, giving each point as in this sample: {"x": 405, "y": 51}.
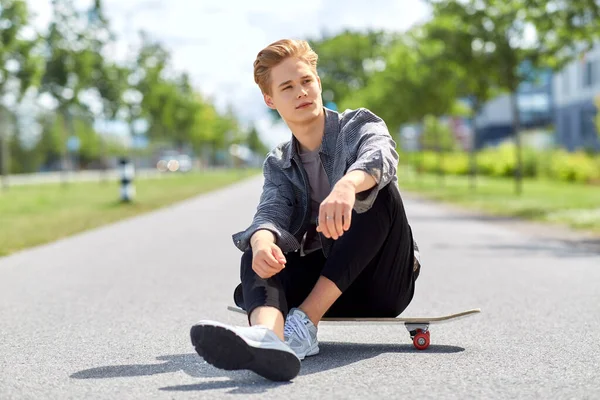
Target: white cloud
{"x": 216, "y": 42}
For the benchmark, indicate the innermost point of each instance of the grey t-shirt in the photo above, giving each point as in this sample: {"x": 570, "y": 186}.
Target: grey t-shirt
{"x": 319, "y": 190}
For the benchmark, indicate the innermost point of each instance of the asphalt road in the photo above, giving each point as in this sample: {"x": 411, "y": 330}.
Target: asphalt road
{"x": 106, "y": 314}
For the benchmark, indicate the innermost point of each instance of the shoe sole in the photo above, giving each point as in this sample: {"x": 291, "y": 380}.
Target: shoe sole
{"x": 224, "y": 349}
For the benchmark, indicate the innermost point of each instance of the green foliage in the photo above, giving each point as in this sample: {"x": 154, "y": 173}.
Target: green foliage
{"x": 597, "y": 117}
{"x": 70, "y": 61}
{"x": 19, "y": 70}
{"x": 348, "y": 60}
{"x": 502, "y": 162}
{"x": 254, "y": 143}
{"x": 565, "y": 28}
{"x": 393, "y": 92}
{"x": 575, "y": 167}
{"x": 89, "y": 141}
{"x": 559, "y": 165}
{"x": 76, "y": 59}
{"x": 437, "y": 135}
{"x": 51, "y": 144}
{"x": 456, "y": 164}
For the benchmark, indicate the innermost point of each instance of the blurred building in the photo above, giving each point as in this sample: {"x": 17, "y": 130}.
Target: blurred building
{"x": 535, "y": 103}
{"x": 575, "y": 88}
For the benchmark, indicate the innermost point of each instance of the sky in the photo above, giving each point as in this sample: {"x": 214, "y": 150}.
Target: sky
{"x": 216, "y": 42}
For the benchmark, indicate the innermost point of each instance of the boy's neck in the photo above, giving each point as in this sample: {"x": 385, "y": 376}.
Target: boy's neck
{"x": 310, "y": 134}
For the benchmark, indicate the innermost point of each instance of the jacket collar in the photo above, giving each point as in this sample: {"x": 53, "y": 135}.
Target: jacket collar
{"x": 327, "y": 145}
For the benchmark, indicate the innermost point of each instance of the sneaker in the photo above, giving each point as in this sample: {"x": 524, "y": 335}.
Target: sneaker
{"x": 301, "y": 334}
{"x": 256, "y": 348}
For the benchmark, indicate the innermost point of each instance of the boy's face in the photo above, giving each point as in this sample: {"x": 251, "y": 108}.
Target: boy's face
{"x": 295, "y": 91}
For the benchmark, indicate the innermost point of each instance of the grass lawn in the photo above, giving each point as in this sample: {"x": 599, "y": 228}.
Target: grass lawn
{"x": 574, "y": 205}
{"x": 32, "y": 215}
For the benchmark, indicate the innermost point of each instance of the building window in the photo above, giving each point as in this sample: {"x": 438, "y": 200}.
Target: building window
{"x": 565, "y": 81}
{"x": 588, "y": 128}
{"x": 588, "y": 74}
{"x": 566, "y": 134}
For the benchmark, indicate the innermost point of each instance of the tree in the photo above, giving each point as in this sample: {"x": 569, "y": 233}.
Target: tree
{"x": 597, "y": 121}
{"x": 108, "y": 78}
{"x": 49, "y": 146}
{"x": 416, "y": 82}
{"x": 497, "y": 27}
{"x": 19, "y": 67}
{"x": 477, "y": 82}
{"x": 157, "y": 96}
{"x": 564, "y": 29}
{"x": 254, "y": 143}
{"x": 69, "y": 66}
{"x": 347, "y": 61}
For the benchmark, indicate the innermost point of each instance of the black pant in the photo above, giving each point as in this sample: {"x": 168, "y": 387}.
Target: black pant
{"x": 372, "y": 264}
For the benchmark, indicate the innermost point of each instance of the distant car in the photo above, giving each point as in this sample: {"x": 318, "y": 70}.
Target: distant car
{"x": 174, "y": 163}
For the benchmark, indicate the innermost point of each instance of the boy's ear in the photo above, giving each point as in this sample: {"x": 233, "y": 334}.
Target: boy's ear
{"x": 269, "y": 101}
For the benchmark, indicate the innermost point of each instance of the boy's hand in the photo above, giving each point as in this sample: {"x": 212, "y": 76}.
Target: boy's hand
{"x": 335, "y": 212}
{"x": 267, "y": 259}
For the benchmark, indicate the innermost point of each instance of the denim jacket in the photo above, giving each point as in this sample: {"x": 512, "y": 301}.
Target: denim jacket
{"x": 353, "y": 140}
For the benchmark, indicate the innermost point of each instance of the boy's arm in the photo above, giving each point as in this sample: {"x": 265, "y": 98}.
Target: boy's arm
{"x": 360, "y": 180}
{"x": 262, "y": 235}
{"x": 370, "y": 140}
{"x": 273, "y": 216}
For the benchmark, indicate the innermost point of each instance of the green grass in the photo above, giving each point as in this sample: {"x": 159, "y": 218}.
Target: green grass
{"x": 33, "y": 215}
{"x": 574, "y": 205}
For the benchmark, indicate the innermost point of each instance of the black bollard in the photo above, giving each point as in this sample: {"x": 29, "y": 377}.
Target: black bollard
{"x": 127, "y": 172}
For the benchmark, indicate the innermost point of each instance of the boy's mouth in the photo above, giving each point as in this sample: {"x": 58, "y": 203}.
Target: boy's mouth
{"x": 305, "y": 104}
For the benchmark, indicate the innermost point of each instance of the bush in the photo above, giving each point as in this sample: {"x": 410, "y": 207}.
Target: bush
{"x": 456, "y": 163}
{"x": 500, "y": 162}
{"x": 437, "y": 134}
{"x": 574, "y": 167}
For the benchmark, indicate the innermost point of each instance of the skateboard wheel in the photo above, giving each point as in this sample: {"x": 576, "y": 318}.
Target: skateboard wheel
{"x": 421, "y": 340}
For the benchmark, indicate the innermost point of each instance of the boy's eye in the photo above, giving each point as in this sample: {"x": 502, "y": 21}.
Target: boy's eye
{"x": 287, "y": 87}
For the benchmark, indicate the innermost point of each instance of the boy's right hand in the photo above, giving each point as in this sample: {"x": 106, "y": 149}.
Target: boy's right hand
{"x": 267, "y": 259}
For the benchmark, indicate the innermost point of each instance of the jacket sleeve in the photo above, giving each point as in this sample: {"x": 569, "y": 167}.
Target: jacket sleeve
{"x": 273, "y": 213}
{"x": 375, "y": 153}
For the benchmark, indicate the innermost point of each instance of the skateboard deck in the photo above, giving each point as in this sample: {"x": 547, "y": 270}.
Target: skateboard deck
{"x": 418, "y": 327}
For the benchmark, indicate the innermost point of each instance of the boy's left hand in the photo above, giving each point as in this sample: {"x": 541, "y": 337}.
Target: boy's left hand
{"x": 335, "y": 212}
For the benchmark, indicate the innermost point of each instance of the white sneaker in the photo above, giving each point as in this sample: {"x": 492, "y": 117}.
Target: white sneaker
{"x": 256, "y": 348}
{"x": 301, "y": 334}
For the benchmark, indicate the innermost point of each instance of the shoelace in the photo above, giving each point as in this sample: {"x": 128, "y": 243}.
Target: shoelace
{"x": 295, "y": 324}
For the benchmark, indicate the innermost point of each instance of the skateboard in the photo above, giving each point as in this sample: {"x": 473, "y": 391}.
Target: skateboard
{"x": 418, "y": 327}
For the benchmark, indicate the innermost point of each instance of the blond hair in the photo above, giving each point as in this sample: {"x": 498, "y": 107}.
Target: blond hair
{"x": 275, "y": 53}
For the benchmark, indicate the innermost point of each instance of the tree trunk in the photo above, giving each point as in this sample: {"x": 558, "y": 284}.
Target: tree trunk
{"x": 133, "y": 150}
{"x": 4, "y": 154}
{"x": 441, "y": 174}
{"x": 103, "y": 159}
{"x": 473, "y": 150}
{"x": 64, "y": 150}
{"x": 473, "y": 162}
{"x": 4, "y": 148}
{"x": 440, "y": 152}
{"x": 517, "y": 135}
